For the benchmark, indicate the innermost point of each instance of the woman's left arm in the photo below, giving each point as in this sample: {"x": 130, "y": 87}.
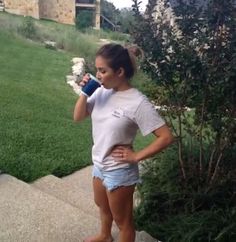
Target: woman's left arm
{"x": 126, "y": 154}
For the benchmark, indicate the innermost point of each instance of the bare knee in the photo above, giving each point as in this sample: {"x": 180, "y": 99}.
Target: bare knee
{"x": 103, "y": 205}
{"x": 121, "y": 203}
{"x": 119, "y": 222}
{"x": 97, "y": 202}
{"x": 124, "y": 223}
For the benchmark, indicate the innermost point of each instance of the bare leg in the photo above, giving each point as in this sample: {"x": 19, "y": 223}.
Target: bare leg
{"x": 121, "y": 205}
{"x": 100, "y": 198}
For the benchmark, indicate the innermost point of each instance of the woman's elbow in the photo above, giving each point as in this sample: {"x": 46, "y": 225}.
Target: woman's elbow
{"x": 167, "y": 139}
{"x": 77, "y": 120}
{"x": 165, "y": 135}
{"x": 79, "y": 117}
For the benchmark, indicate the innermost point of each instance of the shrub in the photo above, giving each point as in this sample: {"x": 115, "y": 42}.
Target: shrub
{"x": 84, "y": 19}
{"x": 205, "y": 226}
{"x": 28, "y": 28}
{"x": 192, "y": 59}
{"x": 177, "y": 212}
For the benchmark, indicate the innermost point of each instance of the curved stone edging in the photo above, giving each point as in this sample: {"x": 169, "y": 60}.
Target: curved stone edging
{"x": 78, "y": 71}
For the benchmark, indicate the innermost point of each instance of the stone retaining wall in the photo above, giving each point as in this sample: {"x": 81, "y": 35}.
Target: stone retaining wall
{"x": 62, "y": 11}
{"x": 23, "y": 7}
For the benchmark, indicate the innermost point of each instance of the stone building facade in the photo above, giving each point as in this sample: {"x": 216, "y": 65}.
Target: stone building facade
{"x": 23, "y": 7}
{"x": 62, "y": 11}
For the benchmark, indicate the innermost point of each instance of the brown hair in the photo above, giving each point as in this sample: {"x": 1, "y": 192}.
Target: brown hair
{"x": 120, "y": 57}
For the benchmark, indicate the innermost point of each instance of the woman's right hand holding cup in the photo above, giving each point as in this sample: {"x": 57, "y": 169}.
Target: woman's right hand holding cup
{"x": 89, "y": 84}
{"x": 84, "y": 80}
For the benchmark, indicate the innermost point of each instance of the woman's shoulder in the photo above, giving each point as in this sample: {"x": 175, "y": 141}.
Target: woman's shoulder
{"x": 138, "y": 95}
{"x": 131, "y": 92}
{"x": 131, "y": 98}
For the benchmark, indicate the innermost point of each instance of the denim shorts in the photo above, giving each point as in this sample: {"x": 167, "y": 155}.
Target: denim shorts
{"x": 118, "y": 177}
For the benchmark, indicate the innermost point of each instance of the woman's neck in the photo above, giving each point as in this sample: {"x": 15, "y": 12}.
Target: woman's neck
{"x": 124, "y": 85}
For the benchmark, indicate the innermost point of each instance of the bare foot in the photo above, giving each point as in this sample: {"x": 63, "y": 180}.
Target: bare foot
{"x": 98, "y": 238}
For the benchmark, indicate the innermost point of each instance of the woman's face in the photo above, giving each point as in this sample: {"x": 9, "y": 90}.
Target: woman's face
{"x": 108, "y": 77}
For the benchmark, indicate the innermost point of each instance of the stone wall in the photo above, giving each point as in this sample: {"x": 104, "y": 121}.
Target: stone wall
{"x": 23, "y": 7}
{"x": 62, "y": 11}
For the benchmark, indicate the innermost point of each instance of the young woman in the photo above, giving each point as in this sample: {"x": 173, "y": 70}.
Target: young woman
{"x": 118, "y": 111}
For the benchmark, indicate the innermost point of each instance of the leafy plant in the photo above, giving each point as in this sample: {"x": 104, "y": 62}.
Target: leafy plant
{"x": 84, "y": 19}
{"x": 28, "y": 28}
{"x": 192, "y": 57}
{"x": 171, "y": 212}
{"x": 190, "y": 54}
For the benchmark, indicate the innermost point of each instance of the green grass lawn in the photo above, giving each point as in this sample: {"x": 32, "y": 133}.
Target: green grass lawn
{"x": 37, "y": 133}
{"x": 38, "y": 136}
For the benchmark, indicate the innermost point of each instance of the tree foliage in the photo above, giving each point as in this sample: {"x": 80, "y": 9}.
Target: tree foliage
{"x": 193, "y": 56}
{"x": 190, "y": 54}
{"x": 126, "y": 20}
{"x": 110, "y": 12}
{"x": 84, "y": 19}
{"x": 123, "y": 17}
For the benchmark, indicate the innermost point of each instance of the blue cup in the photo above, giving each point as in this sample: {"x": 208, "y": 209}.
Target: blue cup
{"x": 90, "y": 87}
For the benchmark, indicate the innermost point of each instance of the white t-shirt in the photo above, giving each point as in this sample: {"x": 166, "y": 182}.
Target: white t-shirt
{"x": 116, "y": 117}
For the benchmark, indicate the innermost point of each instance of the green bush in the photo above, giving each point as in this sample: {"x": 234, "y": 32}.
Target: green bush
{"x": 192, "y": 61}
{"x": 28, "y": 28}
{"x": 84, "y": 19}
{"x": 178, "y": 211}
{"x": 205, "y": 226}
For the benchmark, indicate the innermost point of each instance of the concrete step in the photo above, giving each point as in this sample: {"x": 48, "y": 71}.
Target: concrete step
{"x": 29, "y": 215}
{"x": 70, "y": 190}
{"x": 75, "y": 196}
{"x": 81, "y": 179}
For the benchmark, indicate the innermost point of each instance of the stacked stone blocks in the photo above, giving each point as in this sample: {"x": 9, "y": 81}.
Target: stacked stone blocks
{"x": 62, "y": 11}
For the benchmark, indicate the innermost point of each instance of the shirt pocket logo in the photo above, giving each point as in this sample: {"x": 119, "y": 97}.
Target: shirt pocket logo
{"x": 118, "y": 113}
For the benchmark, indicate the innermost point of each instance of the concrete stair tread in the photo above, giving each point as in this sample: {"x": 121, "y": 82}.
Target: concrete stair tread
{"x": 75, "y": 196}
{"x": 45, "y": 211}
{"x": 81, "y": 179}
{"x": 31, "y": 215}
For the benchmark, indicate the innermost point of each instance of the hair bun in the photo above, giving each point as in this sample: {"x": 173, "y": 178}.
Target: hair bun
{"x": 136, "y": 51}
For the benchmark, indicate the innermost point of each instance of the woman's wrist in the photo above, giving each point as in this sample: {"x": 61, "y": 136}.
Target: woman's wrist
{"x": 137, "y": 158}
{"x": 83, "y": 95}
